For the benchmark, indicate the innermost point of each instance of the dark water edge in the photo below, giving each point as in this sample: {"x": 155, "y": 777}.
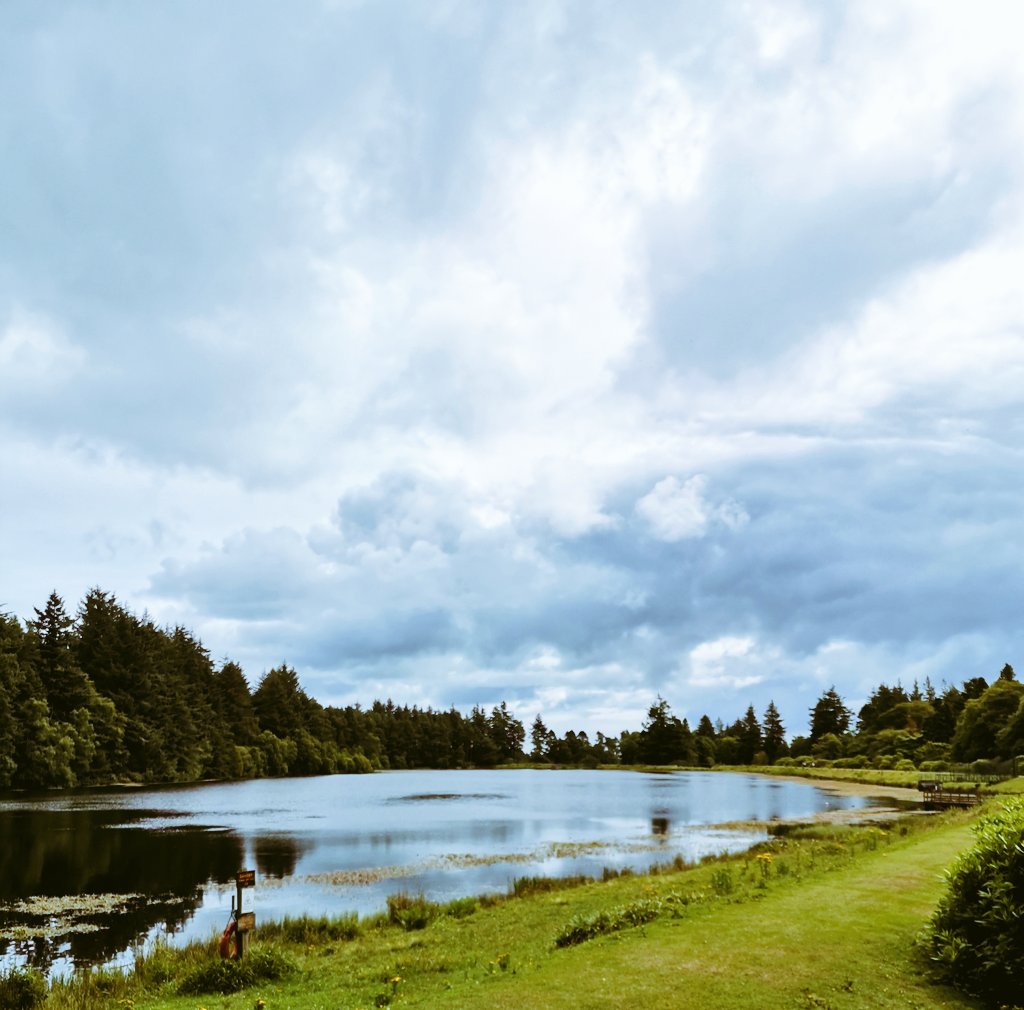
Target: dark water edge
{"x": 86, "y": 877}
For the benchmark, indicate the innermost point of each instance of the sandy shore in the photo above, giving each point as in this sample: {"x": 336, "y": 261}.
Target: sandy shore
{"x": 845, "y": 787}
{"x": 905, "y": 800}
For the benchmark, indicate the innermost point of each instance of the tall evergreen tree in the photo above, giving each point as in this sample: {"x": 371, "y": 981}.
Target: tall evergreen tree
{"x": 749, "y": 736}
{"x": 661, "y": 737}
{"x": 774, "y": 733}
{"x": 507, "y": 733}
{"x": 541, "y": 739}
{"x": 67, "y": 687}
{"x": 829, "y": 715}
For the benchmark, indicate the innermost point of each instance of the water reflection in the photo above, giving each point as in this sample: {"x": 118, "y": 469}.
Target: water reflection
{"x": 159, "y": 877}
{"x": 278, "y": 855}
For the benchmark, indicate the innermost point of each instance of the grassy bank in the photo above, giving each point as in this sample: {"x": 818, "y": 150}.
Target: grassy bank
{"x": 822, "y": 916}
{"x": 873, "y": 776}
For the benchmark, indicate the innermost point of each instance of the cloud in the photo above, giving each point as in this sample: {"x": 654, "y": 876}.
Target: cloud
{"x": 718, "y": 664}
{"x": 551, "y": 354}
{"x": 35, "y": 359}
{"x": 677, "y": 511}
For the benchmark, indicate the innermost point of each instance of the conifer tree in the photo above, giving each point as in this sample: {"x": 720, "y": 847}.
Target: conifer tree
{"x": 774, "y": 733}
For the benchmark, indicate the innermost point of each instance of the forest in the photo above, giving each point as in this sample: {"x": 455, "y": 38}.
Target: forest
{"x": 104, "y": 696}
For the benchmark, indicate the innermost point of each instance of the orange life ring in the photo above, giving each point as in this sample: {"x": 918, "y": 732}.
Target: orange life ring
{"x": 225, "y": 939}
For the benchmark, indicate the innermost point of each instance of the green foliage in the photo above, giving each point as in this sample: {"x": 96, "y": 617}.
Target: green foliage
{"x": 829, "y": 715}
{"x": 665, "y": 739}
{"x": 722, "y": 881}
{"x": 581, "y": 928}
{"x": 308, "y": 929}
{"x": 983, "y": 719}
{"x": 412, "y": 912}
{"x": 522, "y": 886}
{"x": 976, "y": 935}
{"x": 21, "y": 989}
{"x": 222, "y": 976}
{"x": 106, "y": 696}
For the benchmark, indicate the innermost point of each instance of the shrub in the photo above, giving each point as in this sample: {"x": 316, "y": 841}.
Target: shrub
{"x": 581, "y": 928}
{"x": 983, "y": 767}
{"x": 975, "y": 935}
{"x": 21, "y": 989}
{"x": 411, "y": 911}
{"x": 905, "y": 765}
{"x": 459, "y": 908}
{"x": 227, "y": 976}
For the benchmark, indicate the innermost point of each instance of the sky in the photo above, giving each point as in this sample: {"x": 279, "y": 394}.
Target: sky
{"x": 562, "y": 352}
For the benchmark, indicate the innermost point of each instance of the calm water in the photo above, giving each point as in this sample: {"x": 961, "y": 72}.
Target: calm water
{"x": 162, "y": 861}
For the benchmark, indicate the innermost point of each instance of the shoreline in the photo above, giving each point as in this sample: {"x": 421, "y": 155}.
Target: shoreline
{"x": 907, "y": 801}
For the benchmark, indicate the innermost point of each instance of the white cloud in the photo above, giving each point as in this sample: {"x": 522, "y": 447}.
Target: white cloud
{"x": 725, "y": 663}
{"x": 678, "y": 510}
{"x": 35, "y": 356}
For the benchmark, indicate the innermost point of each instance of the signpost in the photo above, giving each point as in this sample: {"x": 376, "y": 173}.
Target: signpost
{"x": 245, "y": 922}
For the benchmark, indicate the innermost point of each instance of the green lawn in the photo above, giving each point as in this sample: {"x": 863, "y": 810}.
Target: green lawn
{"x": 825, "y": 918}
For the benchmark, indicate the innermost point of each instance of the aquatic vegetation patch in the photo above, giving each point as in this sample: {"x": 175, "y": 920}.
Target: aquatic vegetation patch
{"x": 61, "y": 915}
{"x": 431, "y": 797}
{"x": 460, "y": 860}
{"x": 72, "y": 904}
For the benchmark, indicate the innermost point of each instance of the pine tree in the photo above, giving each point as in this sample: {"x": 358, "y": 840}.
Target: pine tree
{"x": 829, "y": 715}
{"x": 749, "y": 736}
{"x": 541, "y": 739}
{"x": 774, "y": 734}
{"x": 67, "y": 688}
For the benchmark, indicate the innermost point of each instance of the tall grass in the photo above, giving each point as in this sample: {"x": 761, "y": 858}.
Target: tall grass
{"x": 309, "y": 929}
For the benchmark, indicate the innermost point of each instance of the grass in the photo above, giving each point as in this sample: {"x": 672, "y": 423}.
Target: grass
{"x": 1011, "y": 786}
{"x": 819, "y": 917}
{"x": 868, "y": 776}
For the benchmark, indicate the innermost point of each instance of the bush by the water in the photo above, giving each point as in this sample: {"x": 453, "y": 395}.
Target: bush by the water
{"x": 21, "y": 989}
{"x": 581, "y": 928}
{"x": 976, "y": 935}
{"x": 416, "y": 912}
{"x": 227, "y": 976}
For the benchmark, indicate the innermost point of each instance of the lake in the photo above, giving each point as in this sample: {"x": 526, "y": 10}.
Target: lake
{"x": 85, "y": 877}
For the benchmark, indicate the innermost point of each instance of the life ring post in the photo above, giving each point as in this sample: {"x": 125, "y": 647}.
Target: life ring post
{"x": 244, "y": 922}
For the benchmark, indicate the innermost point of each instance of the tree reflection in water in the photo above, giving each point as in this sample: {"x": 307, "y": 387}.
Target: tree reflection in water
{"x": 54, "y": 853}
{"x": 278, "y": 855}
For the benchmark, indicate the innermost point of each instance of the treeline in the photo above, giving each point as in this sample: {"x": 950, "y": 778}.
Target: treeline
{"x": 896, "y": 728}
{"x": 106, "y": 696}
